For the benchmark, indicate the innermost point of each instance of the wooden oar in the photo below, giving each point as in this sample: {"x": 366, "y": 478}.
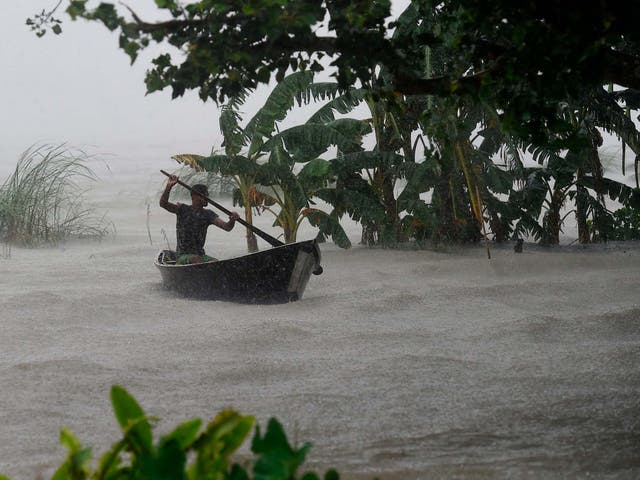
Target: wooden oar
{"x": 274, "y": 242}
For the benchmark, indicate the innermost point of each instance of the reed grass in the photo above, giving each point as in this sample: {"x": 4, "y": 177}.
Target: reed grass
{"x": 43, "y": 202}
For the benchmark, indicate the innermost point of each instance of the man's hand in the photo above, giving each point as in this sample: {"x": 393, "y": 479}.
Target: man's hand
{"x": 173, "y": 179}
{"x": 228, "y": 226}
{"x": 164, "y": 198}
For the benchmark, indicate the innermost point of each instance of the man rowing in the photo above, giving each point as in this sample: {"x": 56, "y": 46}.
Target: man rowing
{"x": 192, "y": 222}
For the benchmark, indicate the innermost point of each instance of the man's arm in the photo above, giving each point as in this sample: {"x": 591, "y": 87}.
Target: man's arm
{"x": 164, "y": 199}
{"x": 228, "y": 226}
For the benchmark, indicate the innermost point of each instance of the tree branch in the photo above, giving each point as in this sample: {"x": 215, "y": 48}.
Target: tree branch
{"x": 621, "y": 68}
{"x": 53, "y": 10}
{"x": 440, "y": 85}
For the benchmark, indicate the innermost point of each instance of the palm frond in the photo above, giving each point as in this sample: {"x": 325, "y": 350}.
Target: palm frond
{"x": 610, "y": 116}
{"x": 234, "y": 136}
{"x": 292, "y": 88}
{"x": 309, "y": 141}
{"x": 342, "y": 104}
{"x": 328, "y": 225}
{"x": 190, "y": 159}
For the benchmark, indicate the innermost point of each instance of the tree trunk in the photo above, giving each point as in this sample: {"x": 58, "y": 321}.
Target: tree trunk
{"x": 370, "y": 235}
{"x": 252, "y": 241}
{"x": 584, "y": 235}
{"x": 445, "y": 208}
{"x": 289, "y": 235}
{"x": 553, "y": 219}
{"x": 390, "y": 206}
{"x": 497, "y": 227}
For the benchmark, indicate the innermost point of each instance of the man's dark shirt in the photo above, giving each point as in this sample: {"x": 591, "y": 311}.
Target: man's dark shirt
{"x": 191, "y": 229}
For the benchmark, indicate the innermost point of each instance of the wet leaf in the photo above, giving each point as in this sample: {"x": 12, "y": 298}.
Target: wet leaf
{"x": 132, "y": 419}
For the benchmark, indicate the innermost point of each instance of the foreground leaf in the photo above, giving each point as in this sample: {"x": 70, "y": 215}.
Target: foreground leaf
{"x": 277, "y": 460}
{"x": 132, "y": 420}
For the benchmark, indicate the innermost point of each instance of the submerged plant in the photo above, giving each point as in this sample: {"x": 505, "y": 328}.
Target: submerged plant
{"x": 42, "y": 201}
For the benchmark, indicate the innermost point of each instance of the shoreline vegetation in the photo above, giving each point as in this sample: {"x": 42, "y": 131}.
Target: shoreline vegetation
{"x": 43, "y": 201}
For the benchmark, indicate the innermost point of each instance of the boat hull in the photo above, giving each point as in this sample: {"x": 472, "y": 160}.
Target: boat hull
{"x": 277, "y": 275}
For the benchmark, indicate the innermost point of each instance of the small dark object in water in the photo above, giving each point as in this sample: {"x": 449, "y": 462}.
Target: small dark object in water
{"x": 518, "y": 246}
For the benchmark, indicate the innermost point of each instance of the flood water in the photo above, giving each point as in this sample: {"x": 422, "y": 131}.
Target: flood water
{"x": 395, "y": 364}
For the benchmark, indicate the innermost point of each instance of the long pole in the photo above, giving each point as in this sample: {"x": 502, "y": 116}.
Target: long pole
{"x": 274, "y": 242}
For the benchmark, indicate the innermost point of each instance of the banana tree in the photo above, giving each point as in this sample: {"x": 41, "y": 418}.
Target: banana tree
{"x": 248, "y": 149}
{"x": 573, "y": 172}
{"x": 242, "y": 145}
{"x": 292, "y": 187}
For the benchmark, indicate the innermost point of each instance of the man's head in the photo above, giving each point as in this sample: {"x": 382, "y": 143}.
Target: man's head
{"x": 198, "y": 194}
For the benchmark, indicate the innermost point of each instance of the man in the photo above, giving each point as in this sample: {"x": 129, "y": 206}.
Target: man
{"x": 192, "y": 223}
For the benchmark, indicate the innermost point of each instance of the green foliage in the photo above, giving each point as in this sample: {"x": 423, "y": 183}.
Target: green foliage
{"x": 42, "y": 201}
{"x": 522, "y": 58}
{"x": 625, "y": 224}
{"x": 187, "y": 453}
{"x": 264, "y": 161}
{"x": 277, "y": 460}
{"x": 527, "y": 75}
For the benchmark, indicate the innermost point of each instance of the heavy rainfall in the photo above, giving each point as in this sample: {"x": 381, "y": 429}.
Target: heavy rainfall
{"x": 413, "y": 360}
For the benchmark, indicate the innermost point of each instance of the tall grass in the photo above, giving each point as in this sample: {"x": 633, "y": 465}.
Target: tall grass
{"x": 42, "y": 202}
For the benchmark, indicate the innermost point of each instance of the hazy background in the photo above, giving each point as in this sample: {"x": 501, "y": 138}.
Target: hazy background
{"x": 80, "y": 88}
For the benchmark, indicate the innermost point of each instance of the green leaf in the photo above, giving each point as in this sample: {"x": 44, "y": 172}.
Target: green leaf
{"x": 331, "y": 474}
{"x": 110, "y": 460}
{"x": 168, "y": 464}
{"x": 328, "y": 225}
{"x": 222, "y": 437}
{"x": 281, "y": 99}
{"x": 184, "y": 434}
{"x": 107, "y": 14}
{"x": 316, "y": 168}
{"x": 226, "y": 165}
{"x": 165, "y": 3}
{"x": 237, "y": 473}
{"x": 343, "y": 104}
{"x": 234, "y": 136}
{"x": 190, "y": 159}
{"x": 132, "y": 419}
{"x": 75, "y": 466}
{"x": 69, "y": 440}
{"x": 76, "y": 8}
{"x": 277, "y": 460}
{"x": 310, "y": 476}
{"x": 309, "y": 141}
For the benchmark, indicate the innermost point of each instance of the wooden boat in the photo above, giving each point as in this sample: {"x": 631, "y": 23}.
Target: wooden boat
{"x": 277, "y": 275}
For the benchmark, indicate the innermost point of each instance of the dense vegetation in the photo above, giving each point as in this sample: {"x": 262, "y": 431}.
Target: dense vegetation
{"x": 42, "y": 202}
{"x": 188, "y": 452}
{"x": 486, "y": 118}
